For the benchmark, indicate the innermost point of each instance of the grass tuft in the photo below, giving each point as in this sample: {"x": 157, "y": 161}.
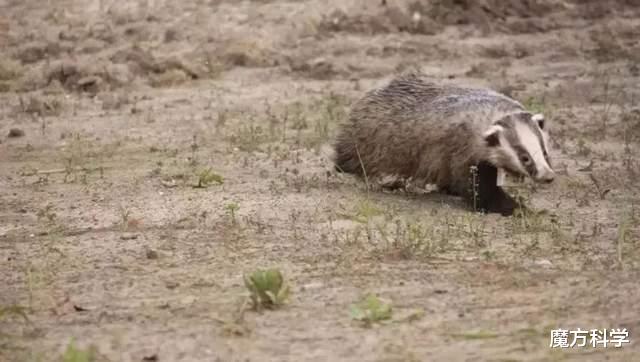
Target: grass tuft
{"x": 73, "y": 354}
{"x": 207, "y": 177}
{"x": 371, "y": 309}
{"x": 267, "y": 289}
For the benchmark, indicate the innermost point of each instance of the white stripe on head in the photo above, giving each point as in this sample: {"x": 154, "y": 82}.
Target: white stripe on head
{"x": 531, "y": 142}
{"x": 545, "y": 141}
{"x": 540, "y": 121}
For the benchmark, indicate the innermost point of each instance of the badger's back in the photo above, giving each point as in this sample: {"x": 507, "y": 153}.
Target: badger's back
{"x": 415, "y": 128}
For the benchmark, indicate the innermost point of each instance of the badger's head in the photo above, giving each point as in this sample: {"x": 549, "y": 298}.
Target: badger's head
{"x": 517, "y": 143}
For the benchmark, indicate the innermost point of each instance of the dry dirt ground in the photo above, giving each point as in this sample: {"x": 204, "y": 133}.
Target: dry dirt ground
{"x": 113, "y": 112}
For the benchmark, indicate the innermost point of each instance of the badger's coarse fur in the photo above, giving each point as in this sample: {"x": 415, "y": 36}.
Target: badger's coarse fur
{"x": 415, "y": 129}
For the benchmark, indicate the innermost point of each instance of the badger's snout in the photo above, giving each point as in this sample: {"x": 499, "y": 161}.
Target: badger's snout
{"x": 547, "y": 176}
{"x": 548, "y": 179}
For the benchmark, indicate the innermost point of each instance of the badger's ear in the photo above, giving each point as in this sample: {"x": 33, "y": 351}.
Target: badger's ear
{"x": 492, "y": 135}
{"x": 539, "y": 119}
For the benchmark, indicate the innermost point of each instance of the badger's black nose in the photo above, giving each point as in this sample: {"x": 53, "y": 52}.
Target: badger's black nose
{"x": 548, "y": 178}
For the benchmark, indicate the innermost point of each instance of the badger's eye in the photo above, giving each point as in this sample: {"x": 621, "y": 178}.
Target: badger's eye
{"x": 526, "y": 160}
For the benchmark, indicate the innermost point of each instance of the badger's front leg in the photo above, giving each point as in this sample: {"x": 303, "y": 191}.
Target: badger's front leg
{"x": 486, "y": 195}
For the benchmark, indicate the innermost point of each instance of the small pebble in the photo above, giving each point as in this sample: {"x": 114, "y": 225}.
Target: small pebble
{"x": 15, "y": 133}
{"x": 128, "y": 236}
{"x": 152, "y": 254}
{"x": 543, "y": 262}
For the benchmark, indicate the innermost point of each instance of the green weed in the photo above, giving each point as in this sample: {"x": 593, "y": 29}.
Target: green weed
{"x": 371, "y": 309}
{"x": 267, "y": 289}
{"x": 14, "y": 310}
{"x": 207, "y": 177}
{"x": 535, "y": 105}
{"x": 231, "y": 209}
{"x": 73, "y": 354}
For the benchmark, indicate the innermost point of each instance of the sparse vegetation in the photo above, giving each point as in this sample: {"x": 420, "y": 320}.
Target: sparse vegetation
{"x": 47, "y": 214}
{"x": 534, "y": 105}
{"x": 14, "y": 310}
{"x": 411, "y": 239}
{"x": 10, "y": 71}
{"x": 207, "y": 177}
{"x": 73, "y": 354}
{"x": 364, "y": 211}
{"x": 124, "y": 214}
{"x": 371, "y": 309}
{"x": 231, "y": 209}
{"x": 41, "y": 106}
{"x": 267, "y": 289}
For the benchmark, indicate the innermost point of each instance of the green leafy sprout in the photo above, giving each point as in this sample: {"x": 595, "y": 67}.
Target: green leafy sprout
{"x": 72, "y": 354}
{"x": 207, "y": 177}
{"x": 267, "y": 288}
{"x": 371, "y": 309}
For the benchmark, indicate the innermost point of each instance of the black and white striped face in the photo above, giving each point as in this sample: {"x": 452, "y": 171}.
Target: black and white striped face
{"x": 518, "y": 144}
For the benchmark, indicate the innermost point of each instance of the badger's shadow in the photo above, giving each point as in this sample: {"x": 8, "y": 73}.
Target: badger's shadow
{"x": 489, "y": 197}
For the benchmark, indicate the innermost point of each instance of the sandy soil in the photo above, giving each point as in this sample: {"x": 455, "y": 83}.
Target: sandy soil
{"x": 116, "y": 110}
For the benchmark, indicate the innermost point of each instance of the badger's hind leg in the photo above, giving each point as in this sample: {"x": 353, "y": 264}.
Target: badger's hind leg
{"x": 489, "y": 197}
{"x": 346, "y": 158}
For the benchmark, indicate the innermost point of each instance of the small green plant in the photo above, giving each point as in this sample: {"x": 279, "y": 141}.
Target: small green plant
{"x": 249, "y": 137}
{"x": 9, "y": 69}
{"x": 231, "y": 209}
{"x": 236, "y": 325}
{"x": 535, "y": 105}
{"x": 267, "y": 287}
{"x": 125, "y": 214}
{"x": 47, "y": 213}
{"x": 72, "y": 354}
{"x": 365, "y": 210}
{"x": 75, "y": 158}
{"x": 488, "y": 255}
{"x": 583, "y": 148}
{"x": 475, "y": 226}
{"x": 531, "y": 221}
{"x": 207, "y": 177}
{"x": 411, "y": 239}
{"x": 14, "y": 310}
{"x": 193, "y": 159}
{"x": 371, "y": 309}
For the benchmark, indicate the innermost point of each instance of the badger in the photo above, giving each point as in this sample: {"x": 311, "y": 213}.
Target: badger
{"x": 463, "y": 140}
